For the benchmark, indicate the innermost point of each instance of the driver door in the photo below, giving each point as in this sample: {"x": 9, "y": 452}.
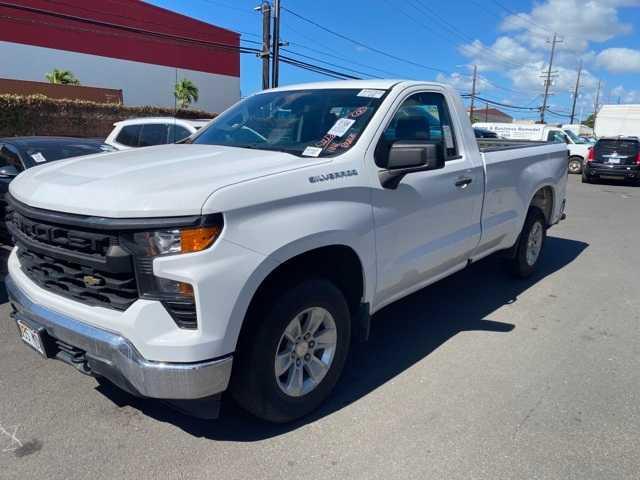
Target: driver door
{"x": 427, "y": 226}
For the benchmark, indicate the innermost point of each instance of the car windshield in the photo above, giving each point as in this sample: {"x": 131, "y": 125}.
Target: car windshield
{"x": 47, "y": 152}
{"x": 318, "y": 122}
{"x": 575, "y": 138}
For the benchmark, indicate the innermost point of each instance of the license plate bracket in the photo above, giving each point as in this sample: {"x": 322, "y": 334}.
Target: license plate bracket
{"x": 34, "y": 335}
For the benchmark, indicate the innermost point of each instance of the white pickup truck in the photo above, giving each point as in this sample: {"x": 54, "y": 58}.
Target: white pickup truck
{"x": 250, "y": 256}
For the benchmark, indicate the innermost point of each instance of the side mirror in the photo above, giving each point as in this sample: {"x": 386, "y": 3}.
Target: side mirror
{"x": 405, "y": 157}
{"x": 8, "y": 171}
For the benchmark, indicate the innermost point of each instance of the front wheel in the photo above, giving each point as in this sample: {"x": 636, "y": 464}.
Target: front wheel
{"x": 575, "y": 165}
{"x": 585, "y": 178}
{"x": 530, "y": 243}
{"x": 292, "y": 357}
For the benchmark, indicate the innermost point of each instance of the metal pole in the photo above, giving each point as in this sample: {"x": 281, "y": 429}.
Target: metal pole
{"x": 473, "y": 92}
{"x": 486, "y": 112}
{"x": 275, "y": 58}
{"x": 547, "y": 82}
{"x": 595, "y": 106}
{"x": 266, "y": 42}
{"x": 575, "y": 93}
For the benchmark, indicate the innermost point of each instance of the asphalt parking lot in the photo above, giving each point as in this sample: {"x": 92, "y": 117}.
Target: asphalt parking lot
{"x": 477, "y": 377}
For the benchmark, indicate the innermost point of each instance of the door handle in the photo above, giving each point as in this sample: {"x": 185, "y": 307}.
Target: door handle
{"x": 463, "y": 182}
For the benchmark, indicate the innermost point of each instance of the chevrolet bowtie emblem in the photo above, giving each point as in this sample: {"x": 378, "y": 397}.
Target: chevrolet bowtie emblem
{"x": 91, "y": 281}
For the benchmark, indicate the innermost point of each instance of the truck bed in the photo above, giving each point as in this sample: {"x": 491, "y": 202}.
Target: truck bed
{"x": 497, "y": 144}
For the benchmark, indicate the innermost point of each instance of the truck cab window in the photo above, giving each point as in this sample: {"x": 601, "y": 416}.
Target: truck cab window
{"x": 556, "y": 136}
{"x": 423, "y": 116}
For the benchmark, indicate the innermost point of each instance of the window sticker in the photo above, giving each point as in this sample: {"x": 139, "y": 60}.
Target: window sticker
{"x": 341, "y": 127}
{"x": 312, "y": 151}
{"x": 369, "y": 93}
{"x": 38, "y": 158}
{"x": 448, "y": 137}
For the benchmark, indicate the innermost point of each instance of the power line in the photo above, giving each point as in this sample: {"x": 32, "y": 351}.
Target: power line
{"x": 500, "y": 104}
{"x": 329, "y": 63}
{"x": 522, "y": 16}
{"x": 361, "y": 44}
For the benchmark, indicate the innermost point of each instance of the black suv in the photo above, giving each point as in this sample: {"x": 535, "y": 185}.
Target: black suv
{"x": 613, "y": 158}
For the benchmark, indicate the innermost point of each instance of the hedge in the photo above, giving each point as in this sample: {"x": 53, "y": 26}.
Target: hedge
{"x": 40, "y": 115}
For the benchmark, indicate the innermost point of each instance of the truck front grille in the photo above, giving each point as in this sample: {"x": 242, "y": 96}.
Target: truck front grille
{"x": 85, "y": 265}
{"x": 73, "y": 280}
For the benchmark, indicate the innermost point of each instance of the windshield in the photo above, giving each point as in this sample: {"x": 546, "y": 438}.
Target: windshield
{"x": 575, "y": 138}
{"x": 311, "y": 123}
{"x": 47, "y": 152}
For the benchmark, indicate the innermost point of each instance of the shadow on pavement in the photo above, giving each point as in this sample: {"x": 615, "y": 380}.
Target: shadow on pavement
{"x": 402, "y": 334}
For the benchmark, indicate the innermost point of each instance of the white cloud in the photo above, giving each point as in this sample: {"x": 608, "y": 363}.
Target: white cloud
{"x": 505, "y": 53}
{"x": 577, "y": 22}
{"x": 463, "y": 82}
{"x": 619, "y": 60}
{"x": 521, "y": 53}
{"x": 624, "y": 95}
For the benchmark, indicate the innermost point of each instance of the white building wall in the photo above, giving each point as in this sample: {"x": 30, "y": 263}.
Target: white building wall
{"x": 141, "y": 83}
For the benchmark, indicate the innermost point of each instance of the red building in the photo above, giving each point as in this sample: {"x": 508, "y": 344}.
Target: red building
{"x": 127, "y": 45}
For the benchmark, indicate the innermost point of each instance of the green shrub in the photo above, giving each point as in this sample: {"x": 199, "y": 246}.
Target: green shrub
{"x": 40, "y": 115}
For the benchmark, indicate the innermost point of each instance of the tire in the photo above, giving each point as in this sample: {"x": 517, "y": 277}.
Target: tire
{"x": 255, "y": 385}
{"x": 534, "y": 228}
{"x": 585, "y": 178}
{"x": 575, "y": 165}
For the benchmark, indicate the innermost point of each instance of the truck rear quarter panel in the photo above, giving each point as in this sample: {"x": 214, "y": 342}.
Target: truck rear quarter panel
{"x": 512, "y": 179}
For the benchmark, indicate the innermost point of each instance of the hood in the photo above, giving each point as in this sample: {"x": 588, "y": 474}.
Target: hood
{"x": 167, "y": 180}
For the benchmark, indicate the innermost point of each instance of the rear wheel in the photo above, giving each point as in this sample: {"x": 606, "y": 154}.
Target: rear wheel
{"x": 575, "y": 165}
{"x": 530, "y": 243}
{"x": 292, "y": 357}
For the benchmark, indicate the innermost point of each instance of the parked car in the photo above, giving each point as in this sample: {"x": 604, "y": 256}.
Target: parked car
{"x": 578, "y": 149}
{"x": 249, "y": 256}
{"x": 20, "y": 153}
{"x": 613, "y": 158}
{"x": 482, "y": 133}
{"x": 146, "y": 132}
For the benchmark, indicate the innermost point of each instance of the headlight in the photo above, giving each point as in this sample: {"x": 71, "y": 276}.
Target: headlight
{"x": 176, "y": 296}
{"x": 163, "y": 242}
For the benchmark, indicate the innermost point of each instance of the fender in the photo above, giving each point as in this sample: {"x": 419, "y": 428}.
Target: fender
{"x": 287, "y": 252}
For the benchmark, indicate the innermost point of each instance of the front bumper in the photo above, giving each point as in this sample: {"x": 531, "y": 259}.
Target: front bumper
{"x": 110, "y": 355}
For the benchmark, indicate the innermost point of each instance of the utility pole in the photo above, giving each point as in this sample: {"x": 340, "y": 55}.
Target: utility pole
{"x": 265, "y": 8}
{"x": 275, "y": 57}
{"x": 486, "y": 112}
{"x": 595, "y": 105}
{"x": 575, "y": 93}
{"x": 547, "y": 82}
{"x": 473, "y": 92}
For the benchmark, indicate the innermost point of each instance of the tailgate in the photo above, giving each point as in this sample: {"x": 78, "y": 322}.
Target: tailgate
{"x": 616, "y": 151}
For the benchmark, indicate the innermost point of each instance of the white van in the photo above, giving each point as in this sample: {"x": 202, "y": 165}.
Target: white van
{"x": 578, "y": 148}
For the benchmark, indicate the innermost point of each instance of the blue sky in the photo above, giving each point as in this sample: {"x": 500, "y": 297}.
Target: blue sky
{"x": 507, "y": 39}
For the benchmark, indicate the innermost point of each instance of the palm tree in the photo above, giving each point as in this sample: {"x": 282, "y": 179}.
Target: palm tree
{"x": 186, "y": 92}
{"x": 62, "y": 77}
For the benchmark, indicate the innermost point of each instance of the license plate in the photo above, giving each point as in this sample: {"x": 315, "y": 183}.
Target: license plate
{"x": 31, "y": 337}
{"x": 614, "y": 161}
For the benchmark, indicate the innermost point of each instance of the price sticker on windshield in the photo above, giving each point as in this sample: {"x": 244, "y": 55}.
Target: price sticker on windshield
{"x": 341, "y": 127}
{"x": 369, "y": 93}
{"x": 312, "y": 151}
{"x": 38, "y": 158}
